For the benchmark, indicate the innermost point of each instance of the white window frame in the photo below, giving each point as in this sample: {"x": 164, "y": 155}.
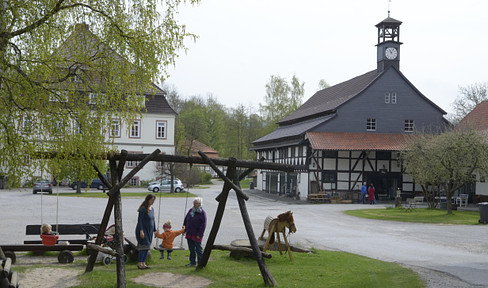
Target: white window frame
{"x": 163, "y": 125}
{"x": 115, "y": 128}
{"x": 387, "y": 97}
{"x": 27, "y": 125}
{"x": 393, "y": 98}
{"x": 371, "y": 124}
{"x": 135, "y": 129}
{"x": 409, "y": 125}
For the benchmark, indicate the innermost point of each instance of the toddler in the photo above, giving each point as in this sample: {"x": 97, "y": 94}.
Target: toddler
{"x": 168, "y": 237}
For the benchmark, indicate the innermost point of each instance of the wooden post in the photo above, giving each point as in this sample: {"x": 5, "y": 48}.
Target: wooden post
{"x": 241, "y": 197}
{"x": 267, "y": 277}
{"x": 217, "y": 220}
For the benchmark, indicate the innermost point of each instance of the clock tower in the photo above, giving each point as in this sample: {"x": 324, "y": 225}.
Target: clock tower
{"x": 388, "y": 47}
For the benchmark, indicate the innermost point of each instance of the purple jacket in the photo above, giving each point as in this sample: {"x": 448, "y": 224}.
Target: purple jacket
{"x": 195, "y": 226}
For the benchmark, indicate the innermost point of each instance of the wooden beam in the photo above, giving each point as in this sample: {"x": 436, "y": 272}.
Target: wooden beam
{"x": 240, "y": 249}
{"x": 101, "y": 249}
{"x": 224, "y": 177}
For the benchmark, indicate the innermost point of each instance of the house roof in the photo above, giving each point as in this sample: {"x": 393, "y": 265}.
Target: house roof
{"x": 476, "y": 119}
{"x": 326, "y": 101}
{"x": 330, "y": 98}
{"x": 292, "y": 130}
{"x": 358, "y": 141}
{"x": 199, "y": 146}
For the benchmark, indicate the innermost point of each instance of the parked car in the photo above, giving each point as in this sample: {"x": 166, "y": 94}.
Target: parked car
{"x": 42, "y": 186}
{"x": 96, "y": 183}
{"x": 165, "y": 185}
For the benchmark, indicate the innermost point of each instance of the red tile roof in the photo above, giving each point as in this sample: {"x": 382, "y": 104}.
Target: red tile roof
{"x": 358, "y": 141}
{"x": 476, "y": 119}
{"x": 199, "y": 146}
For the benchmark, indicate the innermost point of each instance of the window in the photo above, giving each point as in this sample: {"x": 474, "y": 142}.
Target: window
{"x": 329, "y": 176}
{"x": 371, "y": 124}
{"x": 59, "y": 96}
{"x": 132, "y": 164}
{"x": 115, "y": 129}
{"x": 137, "y": 100}
{"x": 393, "y": 98}
{"x": 134, "y": 181}
{"x": 387, "y": 97}
{"x": 160, "y": 129}
{"x": 77, "y": 127}
{"x": 409, "y": 125}
{"x": 135, "y": 129}
{"x": 27, "y": 124}
{"x": 96, "y": 98}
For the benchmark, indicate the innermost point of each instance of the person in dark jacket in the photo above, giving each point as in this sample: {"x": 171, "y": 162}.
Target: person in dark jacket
{"x": 145, "y": 229}
{"x": 195, "y": 223}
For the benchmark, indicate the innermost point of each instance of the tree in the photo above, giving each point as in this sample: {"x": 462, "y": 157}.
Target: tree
{"x": 280, "y": 99}
{"x": 469, "y": 97}
{"x": 115, "y": 51}
{"x": 323, "y": 84}
{"x": 448, "y": 160}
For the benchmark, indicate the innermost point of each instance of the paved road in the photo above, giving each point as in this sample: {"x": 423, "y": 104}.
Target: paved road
{"x": 460, "y": 250}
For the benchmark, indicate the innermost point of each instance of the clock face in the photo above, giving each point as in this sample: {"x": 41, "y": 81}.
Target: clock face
{"x": 391, "y": 53}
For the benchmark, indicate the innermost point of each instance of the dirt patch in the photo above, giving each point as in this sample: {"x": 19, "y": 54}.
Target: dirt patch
{"x": 170, "y": 280}
{"x": 49, "y": 278}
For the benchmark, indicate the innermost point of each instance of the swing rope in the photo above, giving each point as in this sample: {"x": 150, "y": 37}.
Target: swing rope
{"x": 186, "y": 205}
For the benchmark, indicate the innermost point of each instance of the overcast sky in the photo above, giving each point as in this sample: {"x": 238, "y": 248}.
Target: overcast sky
{"x": 243, "y": 42}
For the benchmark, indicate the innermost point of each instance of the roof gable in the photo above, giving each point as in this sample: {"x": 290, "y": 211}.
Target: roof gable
{"x": 476, "y": 119}
{"x": 327, "y": 100}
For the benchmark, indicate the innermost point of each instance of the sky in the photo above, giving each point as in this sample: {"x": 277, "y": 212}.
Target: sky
{"x": 242, "y": 43}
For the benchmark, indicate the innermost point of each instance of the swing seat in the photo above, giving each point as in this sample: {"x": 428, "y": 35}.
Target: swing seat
{"x": 165, "y": 249}
{"x": 49, "y": 239}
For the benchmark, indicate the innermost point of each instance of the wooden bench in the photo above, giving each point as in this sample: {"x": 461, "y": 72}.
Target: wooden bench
{"x": 65, "y": 246}
{"x": 318, "y": 198}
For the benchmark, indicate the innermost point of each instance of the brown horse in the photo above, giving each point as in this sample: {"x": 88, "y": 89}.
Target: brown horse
{"x": 277, "y": 226}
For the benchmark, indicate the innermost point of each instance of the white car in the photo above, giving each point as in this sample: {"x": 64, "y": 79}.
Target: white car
{"x": 165, "y": 185}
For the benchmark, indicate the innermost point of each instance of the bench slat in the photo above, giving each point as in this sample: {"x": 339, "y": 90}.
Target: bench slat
{"x": 34, "y": 247}
{"x": 65, "y": 229}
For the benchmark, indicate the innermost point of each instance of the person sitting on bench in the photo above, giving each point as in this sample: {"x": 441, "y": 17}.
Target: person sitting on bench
{"x": 48, "y": 237}
{"x": 168, "y": 237}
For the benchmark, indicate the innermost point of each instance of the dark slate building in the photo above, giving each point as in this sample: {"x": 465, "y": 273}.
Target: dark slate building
{"x": 352, "y": 132}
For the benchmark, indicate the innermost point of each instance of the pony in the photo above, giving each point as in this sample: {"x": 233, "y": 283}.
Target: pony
{"x": 277, "y": 226}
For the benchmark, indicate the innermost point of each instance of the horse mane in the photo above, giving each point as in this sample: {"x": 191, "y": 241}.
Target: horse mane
{"x": 287, "y": 216}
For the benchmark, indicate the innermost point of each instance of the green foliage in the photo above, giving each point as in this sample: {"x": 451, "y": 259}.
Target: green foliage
{"x": 281, "y": 99}
{"x": 67, "y": 68}
{"x": 419, "y": 215}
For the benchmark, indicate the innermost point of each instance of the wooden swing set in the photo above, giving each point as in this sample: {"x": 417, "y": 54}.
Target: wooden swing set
{"x": 231, "y": 179}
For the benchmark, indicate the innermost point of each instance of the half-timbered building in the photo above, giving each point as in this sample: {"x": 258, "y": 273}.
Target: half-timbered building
{"x": 352, "y": 132}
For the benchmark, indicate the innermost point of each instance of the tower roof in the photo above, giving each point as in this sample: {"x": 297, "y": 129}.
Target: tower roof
{"x": 390, "y": 21}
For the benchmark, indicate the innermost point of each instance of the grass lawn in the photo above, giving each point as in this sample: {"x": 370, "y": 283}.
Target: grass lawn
{"x": 320, "y": 269}
{"x": 419, "y": 215}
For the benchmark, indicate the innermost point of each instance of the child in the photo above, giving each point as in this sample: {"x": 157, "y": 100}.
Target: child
{"x": 168, "y": 237}
{"x": 49, "y": 237}
{"x": 47, "y": 229}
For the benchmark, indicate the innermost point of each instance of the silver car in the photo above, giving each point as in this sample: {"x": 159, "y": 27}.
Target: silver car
{"x": 165, "y": 185}
{"x": 42, "y": 186}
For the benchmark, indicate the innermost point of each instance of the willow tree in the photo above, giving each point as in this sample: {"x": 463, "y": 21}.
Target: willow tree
{"x": 67, "y": 68}
{"x": 449, "y": 160}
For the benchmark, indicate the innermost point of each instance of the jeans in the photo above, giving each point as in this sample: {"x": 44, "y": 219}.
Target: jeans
{"x": 363, "y": 196}
{"x": 142, "y": 255}
{"x": 195, "y": 248}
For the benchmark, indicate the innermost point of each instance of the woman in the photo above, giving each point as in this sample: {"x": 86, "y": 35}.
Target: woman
{"x": 195, "y": 223}
{"x": 145, "y": 229}
{"x": 371, "y": 192}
